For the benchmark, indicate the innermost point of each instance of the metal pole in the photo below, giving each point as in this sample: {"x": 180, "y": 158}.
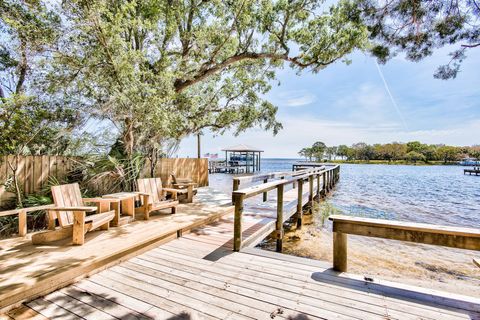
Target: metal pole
{"x": 199, "y": 154}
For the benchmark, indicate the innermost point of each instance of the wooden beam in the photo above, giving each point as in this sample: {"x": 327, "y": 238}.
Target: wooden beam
{"x": 22, "y": 223}
{"x": 279, "y": 222}
{"x": 237, "y": 228}
{"x": 340, "y": 251}
{"x": 300, "y": 204}
{"x": 454, "y": 237}
{"x": 78, "y": 227}
{"x": 310, "y": 190}
{"x": 265, "y": 194}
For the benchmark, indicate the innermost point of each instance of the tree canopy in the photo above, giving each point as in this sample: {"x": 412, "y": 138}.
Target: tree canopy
{"x": 161, "y": 70}
{"x": 412, "y": 151}
{"x": 418, "y": 28}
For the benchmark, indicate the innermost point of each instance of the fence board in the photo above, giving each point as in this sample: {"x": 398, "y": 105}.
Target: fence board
{"x": 34, "y": 171}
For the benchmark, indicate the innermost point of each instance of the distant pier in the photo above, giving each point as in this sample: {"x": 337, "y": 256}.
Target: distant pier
{"x": 475, "y": 171}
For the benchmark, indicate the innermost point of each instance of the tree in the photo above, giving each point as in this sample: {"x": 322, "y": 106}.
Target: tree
{"x": 363, "y": 151}
{"x": 30, "y": 122}
{"x": 318, "y": 150}
{"x": 343, "y": 151}
{"x": 414, "y": 156}
{"x": 419, "y": 27}
{"x": 448, "y": 153}
{"x": 306, "y": 153}
{"x": 179, "y": 67}
{"x": 330, "y": 152}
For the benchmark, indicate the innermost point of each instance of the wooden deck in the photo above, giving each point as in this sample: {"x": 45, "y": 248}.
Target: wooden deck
{"x": 198, "y": 276}
{"x": 28, "y": 271}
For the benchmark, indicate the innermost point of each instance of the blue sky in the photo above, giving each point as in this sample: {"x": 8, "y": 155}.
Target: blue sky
{"x": 347, "y": 104}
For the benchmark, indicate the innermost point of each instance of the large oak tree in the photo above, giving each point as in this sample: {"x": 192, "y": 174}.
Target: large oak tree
{"x": 169, "y": 68}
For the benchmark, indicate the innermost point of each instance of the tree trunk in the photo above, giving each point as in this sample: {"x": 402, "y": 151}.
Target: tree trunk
{"x": 22, "y": 68}
{"x": 128, "y": 138}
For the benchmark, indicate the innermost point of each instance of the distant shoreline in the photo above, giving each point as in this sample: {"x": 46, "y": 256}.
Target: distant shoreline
{"x": 396, "y": 162}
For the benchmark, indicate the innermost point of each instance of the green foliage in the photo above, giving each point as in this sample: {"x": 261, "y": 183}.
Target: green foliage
{"x": 103, "y": 174}
{"x": 412, "y": 151}
{"x": 30, "y": 127}
{"x": 30, "y": 122}
{"x": 417, "y": 28}
{"x": 324, "y": 210}
{"x": 414, "y": 156}
{"x": 173, "y": 68}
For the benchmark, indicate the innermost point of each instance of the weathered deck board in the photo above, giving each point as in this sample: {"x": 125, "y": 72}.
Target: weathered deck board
{"x": 198, "y": 276}
{"x": 28, "y": 270}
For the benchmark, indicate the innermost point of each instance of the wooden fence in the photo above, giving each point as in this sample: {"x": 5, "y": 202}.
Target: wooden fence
{"x": 193, "y": 168}
{"x": 33, "y": 172}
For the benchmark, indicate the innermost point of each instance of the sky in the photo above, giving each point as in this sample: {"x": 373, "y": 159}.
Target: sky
{"x": 365, "y": 102}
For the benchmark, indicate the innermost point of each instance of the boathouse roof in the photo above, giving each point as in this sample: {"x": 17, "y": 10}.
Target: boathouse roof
{"x": 242, "y": 148}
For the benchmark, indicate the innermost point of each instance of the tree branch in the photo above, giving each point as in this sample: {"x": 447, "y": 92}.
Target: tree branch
{"x": 181, "y": 85}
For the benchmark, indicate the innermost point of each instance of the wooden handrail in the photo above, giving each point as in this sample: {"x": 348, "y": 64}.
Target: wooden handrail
{"x": 455, "y": 237}
{"x": 330, "y": 176}
{"x": 272, "y": 175}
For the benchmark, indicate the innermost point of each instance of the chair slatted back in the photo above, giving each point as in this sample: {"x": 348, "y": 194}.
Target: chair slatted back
{"x": 152, "y": 186}
{"x": 66, "y": 195}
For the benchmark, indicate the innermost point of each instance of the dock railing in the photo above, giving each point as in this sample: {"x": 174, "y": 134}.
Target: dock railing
{"x": 454, "y": 237}
{"x": 329, "y": 176}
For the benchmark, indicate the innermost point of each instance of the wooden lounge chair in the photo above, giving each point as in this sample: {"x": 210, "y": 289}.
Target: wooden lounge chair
{"x": 70, "y": 212}
{"x": 154, "y": 196}
{"x": 184, "y": 184}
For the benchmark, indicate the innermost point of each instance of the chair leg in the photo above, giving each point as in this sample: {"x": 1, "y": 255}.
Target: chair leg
{"x": 105, "y": 226}
{"x": 78, "y": 227}
{"x": 146, "y": 215}
{"x": 174, "y": 209}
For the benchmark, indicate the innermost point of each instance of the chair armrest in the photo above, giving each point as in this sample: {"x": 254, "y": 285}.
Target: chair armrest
{"x": 85, "y": 209}
{"x": 175, "y": 190}
{"x": 100, "y": 200}
{"x": 476, "y": 261}
{"x": 142, "y": 193}
{"x": 185, "y": 184}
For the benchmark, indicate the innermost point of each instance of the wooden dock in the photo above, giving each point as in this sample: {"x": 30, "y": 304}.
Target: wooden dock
{"x": 194, "y": 273}
{"x": 198, "y": 276}
{"x": 474, "y": 171}
{"x": 28, "y": 271}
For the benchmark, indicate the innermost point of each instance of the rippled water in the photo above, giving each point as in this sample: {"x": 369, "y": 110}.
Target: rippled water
{"x": 431, "y": 194}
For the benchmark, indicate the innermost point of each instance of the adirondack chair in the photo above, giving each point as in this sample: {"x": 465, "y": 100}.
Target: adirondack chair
{"x": 154, "y": 196}
{"x": 70, "y": 212}
{"x": 184, "y": 184}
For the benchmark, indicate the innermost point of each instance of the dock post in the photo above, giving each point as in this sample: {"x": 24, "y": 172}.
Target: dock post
{"x": 236, "y": 184}
{"x": 310, "y": 192}
{"x": 318, "y": 187}
{"x": 265, "y": 194}
{"x": 237, "y": 228}
{"x": 300, "y": 204}
{"x": 340, "y": 251}
{"x": 279, "y": 222}
{"x": 325, "y": 182}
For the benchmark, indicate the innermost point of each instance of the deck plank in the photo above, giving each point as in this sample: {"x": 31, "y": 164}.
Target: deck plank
{"x": 198, "y": 276}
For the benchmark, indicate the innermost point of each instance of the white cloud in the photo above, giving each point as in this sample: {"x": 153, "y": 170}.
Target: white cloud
{"x": 303, "y": 131}
{"x": 295, "y": 98}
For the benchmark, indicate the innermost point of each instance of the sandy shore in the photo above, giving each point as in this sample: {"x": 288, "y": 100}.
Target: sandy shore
{"x": 426, "y": 266}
